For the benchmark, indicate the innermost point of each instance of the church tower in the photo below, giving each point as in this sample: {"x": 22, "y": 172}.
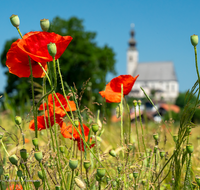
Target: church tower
{"x": 132, "y": 54}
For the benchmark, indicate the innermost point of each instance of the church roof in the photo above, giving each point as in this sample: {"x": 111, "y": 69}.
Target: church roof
{"x": 155, "y": 71}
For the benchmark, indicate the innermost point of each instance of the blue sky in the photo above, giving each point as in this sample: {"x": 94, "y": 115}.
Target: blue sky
{"x": 163, "y": 28}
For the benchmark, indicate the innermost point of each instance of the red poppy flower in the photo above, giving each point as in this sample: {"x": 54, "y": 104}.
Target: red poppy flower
{"x": 41, "y": 122}
{"x": 66, "y": 131}
{"x": 34, "y": 44}
{"x": 58, "y": 109}
{"x": 17, "y": 187}
{"x": 81, "y": 145}
{"x": 112, "y": 92}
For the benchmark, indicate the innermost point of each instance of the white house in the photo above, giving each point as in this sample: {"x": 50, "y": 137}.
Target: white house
{"x": 157, "y": 77}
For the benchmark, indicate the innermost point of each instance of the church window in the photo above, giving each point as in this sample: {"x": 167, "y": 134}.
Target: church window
{"x": 130, "y": 58}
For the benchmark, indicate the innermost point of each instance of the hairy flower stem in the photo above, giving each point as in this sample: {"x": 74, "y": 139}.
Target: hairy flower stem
{"x": 137, "y": 132}
{"x": 31, "y": 76}
{"x": 78, "y": 130}
{"x": 55, "y": 126}
{"x": 33, "y": 97}
{"x": 44, "y": 174}
{"x": 72, "y": 180}
{"x": 142, "y": 132}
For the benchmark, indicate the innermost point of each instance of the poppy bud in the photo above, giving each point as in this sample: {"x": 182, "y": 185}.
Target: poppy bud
{"x": 119, "y": 169}
{"x": 139, "y": 102}
{"x": 101, "y": 172}
{"x": 134, "y": 103}
{"x": 79, "y": 183}
{"x": 95, "y": 127}
{"x": 13, "y": 159}
{"x": 130, "y": 176}
{"x": 18, "y": 120}
{"x": 38, "y": 156}
{"x": 189, "y": 148}
{"x": 14, "y": 19}
{"x": 36, "y": 184}
{"x": 45, "y": 24}
{"x": 143, "y": 181}
{"x": 112, "y": 153}
{"x": 76, "y": 122}
{"x": 155, "y": 149}
{"x": 194, "y": 39}
{"x": 52, "y": 49}
{"x": 114, "y": 183}
{"x": 35, "y": 142}
{"x": 86, "y": 164}
{"x": 62, "y": 149}
{"x": 40, "y": 175}
{"x": 155, "y": 136}
{"x": 162, "y": 153}
{"x": 73, "y": 164}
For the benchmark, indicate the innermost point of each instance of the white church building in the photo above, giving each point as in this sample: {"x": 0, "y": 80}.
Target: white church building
{"x": 158, "y": 78}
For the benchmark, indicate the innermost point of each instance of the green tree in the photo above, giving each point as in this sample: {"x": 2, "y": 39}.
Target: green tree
{"x": 82, "y": 60}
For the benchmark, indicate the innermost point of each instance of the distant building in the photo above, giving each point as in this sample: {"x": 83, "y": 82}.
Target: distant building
{"x": 156, "y": 78}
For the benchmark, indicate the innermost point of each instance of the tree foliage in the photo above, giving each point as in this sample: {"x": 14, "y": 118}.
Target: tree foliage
{"x": 83, "y": 59}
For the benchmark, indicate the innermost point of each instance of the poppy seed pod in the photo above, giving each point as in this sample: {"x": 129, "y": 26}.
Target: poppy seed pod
{"x": 194, "y": 39}
{"x": 52, "y": 49}
{"x": 86, "y": 164}
{"x": 14, "y": 19}
{"x": 58, "y": 187}
{"x": 45, "y": 24}
{"x": 112, "y": 153}
{"x": 18, "y": 120}
{"x": 36, "y": 184}
{"x": 189, "y": 148}
{"x": 23, "y": 154}
{"x": 38, "y": 156}
{"x": 95, "y": 127}
{"x": 13, "y": 159}
{"x": 73, "y": 164}
{"x": 139, "y": 102}
{"x": 79, "y": 183}
{"x": 135, "y": 174}
{"x": 101, "y": 172}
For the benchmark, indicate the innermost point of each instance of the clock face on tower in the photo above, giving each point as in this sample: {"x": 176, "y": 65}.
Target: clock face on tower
{"x": 130, "y": 58}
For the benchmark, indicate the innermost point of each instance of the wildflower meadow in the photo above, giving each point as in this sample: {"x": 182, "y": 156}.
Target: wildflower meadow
{"x": 58, "y": 146}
